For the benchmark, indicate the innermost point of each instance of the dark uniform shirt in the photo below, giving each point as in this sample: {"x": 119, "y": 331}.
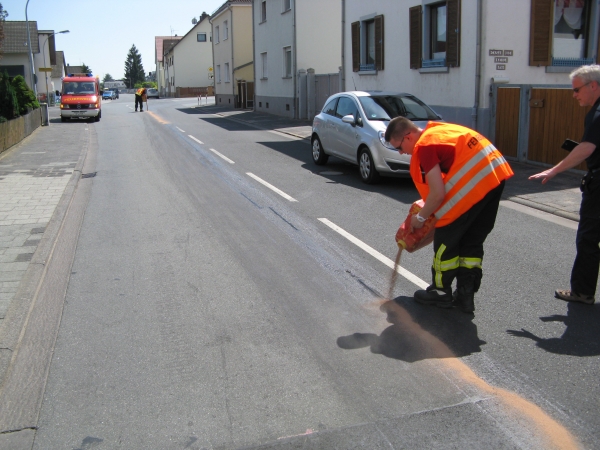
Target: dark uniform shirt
{"x": 592, "y": 135}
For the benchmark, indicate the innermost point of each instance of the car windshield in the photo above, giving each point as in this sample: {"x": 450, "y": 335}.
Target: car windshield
{"x": 386, "y": 107}
{"x": 73, "y": 87}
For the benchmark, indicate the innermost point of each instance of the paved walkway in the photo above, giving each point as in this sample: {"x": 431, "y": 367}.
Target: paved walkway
{"x": 38, "y": 176}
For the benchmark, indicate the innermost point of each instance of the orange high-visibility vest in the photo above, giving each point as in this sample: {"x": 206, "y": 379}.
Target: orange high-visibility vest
{"x": 478, "y": 168}
{"x": 140, "y": 91}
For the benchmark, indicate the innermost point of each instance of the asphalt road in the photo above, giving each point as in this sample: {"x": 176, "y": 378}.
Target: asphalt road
{"x": 206, "y": 310}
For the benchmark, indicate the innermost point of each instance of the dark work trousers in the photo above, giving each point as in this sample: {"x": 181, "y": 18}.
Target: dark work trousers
{"x": 584, "y": 276}
{"x": 138, "y": 99}
{"x": 458, "y": 246}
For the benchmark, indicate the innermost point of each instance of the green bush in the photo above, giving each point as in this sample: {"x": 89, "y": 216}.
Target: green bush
{"x": 25, "y": 96}
{"x": 9, "y": 104}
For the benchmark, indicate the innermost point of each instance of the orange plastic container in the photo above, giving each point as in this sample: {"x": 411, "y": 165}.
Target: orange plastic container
{"x": 420, "y": 237}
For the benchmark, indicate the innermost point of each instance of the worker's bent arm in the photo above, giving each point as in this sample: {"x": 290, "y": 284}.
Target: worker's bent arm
{"x": 576, "y": 157}
{"x": 437, "y": 192}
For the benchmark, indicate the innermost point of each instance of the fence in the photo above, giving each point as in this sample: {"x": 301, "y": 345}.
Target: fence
{"x": 14, "y": 131}
{"x": 181, "y": 92}
{"x": 313, "y": 90}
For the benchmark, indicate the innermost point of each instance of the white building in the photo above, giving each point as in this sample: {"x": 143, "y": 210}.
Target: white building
{"x": 232, "y": 53}
{"x": 290, "y": 36}
{"x": 189, "y": 60}
{"x": 454, "y": 55}
{"x": 163, "y": 44}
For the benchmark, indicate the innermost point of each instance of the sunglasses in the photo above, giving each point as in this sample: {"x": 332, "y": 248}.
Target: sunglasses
{"x": 577, "y": 89}
{"x": 399, "y": 148}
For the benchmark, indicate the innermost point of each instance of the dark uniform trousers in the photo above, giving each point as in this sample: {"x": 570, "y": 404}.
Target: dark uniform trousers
{"x": 584, "y": 276}
{"x": 458, "y": 246}
{"x": 139, "y": 99}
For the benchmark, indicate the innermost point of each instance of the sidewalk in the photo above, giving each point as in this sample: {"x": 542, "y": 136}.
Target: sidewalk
{"x": 38, "y": 177}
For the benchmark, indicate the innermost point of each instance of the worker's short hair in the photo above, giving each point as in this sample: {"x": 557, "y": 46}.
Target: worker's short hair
{"x": 587, "y": 74}
{"x": 398, "y": 127}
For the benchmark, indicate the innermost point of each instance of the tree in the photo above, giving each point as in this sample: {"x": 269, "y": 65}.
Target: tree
{"x": 134, "y": 70}
{"x": 25, "y": 96}
{"x": 9, "y": 105}
{"x": 85, "y": 69}
{"x": 107, "y": 77}
{"x": 3, "y": 16}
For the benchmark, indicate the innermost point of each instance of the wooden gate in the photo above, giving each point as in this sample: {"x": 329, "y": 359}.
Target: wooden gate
{"x": 554, "y": 115}
{"x": 507, "y": 120}
{"x": 533, "y": 127}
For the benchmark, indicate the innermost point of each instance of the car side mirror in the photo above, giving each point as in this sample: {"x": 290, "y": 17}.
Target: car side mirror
{"x": 349, "y": 119}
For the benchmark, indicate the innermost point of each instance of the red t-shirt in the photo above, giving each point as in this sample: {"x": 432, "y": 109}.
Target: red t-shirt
{"x": 441, "y": 154}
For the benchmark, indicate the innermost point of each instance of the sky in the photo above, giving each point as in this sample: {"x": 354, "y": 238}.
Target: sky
{"x": 102, "y": 32}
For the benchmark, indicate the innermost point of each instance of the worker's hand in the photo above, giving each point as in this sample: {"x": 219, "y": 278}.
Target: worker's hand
{"x": 415, "y": 224}
{"x": 546, "y": 175}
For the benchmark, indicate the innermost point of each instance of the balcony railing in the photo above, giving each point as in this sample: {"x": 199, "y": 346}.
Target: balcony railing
{"x": 367, "y": 67}
{"x": 437, "y": 62}
{"x": 572, "y": 62}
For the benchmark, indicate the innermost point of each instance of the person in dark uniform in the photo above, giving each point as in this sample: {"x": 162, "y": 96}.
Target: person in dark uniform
{"x": 584, "y": 275}
{"x": 140, "y": 98}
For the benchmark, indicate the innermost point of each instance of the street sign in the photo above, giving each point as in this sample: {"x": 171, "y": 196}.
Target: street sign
{"x": 45, "y": 69}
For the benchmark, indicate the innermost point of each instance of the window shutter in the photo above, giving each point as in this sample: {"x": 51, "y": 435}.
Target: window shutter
{"x": 355, "y": 46}
{"x": 540, "y": 33}
{"x": 416, "y": 36}
{"x": 453, "y": 36}
{"x": 379, "y": 44}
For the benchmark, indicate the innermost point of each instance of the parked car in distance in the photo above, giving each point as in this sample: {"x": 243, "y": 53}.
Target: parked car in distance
{"x": 352, "y": 127}
{"x": 108, "y": 95}
{"x": 116, "y": 91}
{"x": 152, "y": 93}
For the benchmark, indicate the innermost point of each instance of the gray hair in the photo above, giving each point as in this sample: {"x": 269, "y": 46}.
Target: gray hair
{"x": 587, "y": 73}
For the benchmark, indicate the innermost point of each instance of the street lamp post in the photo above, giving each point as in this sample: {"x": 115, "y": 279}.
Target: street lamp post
{"x": 32, "y": 73}
{"x": 44, "y": 54}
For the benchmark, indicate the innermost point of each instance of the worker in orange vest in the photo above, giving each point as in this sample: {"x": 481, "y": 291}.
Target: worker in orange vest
{"x": 463, "y": 180}
{"x": 140, "y": 97}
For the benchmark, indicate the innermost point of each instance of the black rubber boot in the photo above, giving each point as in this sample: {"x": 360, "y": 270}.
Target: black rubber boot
{"x": 464, "y": 296}
{"x": 442, "y": 298}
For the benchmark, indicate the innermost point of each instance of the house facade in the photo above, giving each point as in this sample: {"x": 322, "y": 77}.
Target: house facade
{"x": 462, "y": 57}
{"x": 308, "y": 36}
{"x": 233, "y": 61}
{"x": 189, "y": 60}
{"x": 15, "y": 59}
{"x": 162, "y": 44}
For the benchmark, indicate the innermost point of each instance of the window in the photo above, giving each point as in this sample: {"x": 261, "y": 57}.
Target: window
{"x": 225, "y": 30}
{"x": 201, "y": 37}
{"x": 218, "y": 73}
{"x": 263, "y": 11}
{"x": 346, "y": 106}
{"x": 435, "y": 34}
{"x": 216, "y": 35}
{"x": 263, "y": 60}
{"x": 287, "y": 5}
{"x": 329, "y": 108}
{"x": 368, "y": 44}
{"x": 227, "y": 80}
{"x": 287, "y": 62}
{"x": 560, "y": 33}
{"x": 437, "y": 28}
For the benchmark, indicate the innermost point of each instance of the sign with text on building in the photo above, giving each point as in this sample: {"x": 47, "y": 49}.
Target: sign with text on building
{"x": 496, "y": 52}
{"x": 500, "y": 66}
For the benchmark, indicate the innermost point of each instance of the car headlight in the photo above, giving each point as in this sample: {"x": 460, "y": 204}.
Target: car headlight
{"x": 385, "y": 143}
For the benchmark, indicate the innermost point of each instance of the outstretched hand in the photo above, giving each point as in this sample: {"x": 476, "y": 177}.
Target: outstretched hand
{"x": 546, "y": 176}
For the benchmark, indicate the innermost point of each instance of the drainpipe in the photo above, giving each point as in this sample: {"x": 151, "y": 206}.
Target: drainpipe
{"x": 343, "y": 44}
{"x": 295, "y": 71}
{"x": 254, "y": 59}
{"x": 212, "y": 43}
{"x": 477, "y": 66}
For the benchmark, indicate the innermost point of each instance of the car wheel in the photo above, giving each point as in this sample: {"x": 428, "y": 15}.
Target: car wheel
{"x": 367, "y": 167}
{"x": 318, "y": 154}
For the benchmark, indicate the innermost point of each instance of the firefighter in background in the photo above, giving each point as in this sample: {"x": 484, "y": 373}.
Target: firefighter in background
{"x": 140, "y": 98}
{"x": 463, "y": 180}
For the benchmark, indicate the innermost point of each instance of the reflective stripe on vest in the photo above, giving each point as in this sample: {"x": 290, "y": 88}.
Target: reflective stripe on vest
{"x": 485, "y": 171}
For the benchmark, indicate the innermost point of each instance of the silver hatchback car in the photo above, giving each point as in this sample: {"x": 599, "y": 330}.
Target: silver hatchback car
{"x": 352, "y": 127}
